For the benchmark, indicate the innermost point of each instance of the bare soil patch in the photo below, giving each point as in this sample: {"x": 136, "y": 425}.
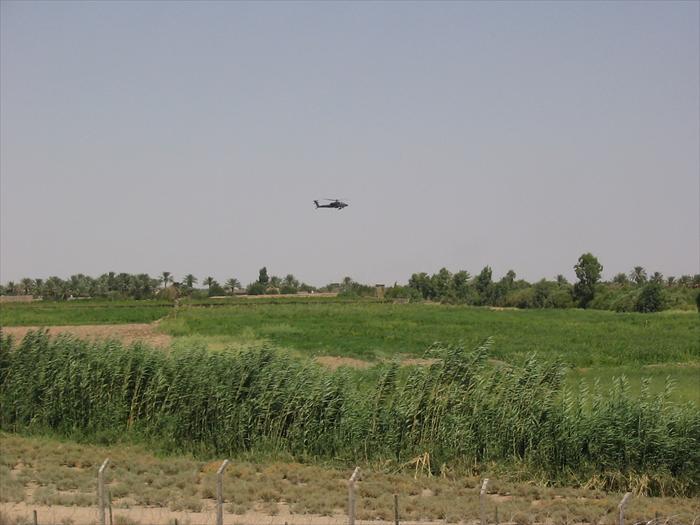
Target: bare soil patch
{"x": 126, "y": 333}
{"x": 57, "y": 514}
{"x": 418, "y": 361}
{"x": 333, "y": 362}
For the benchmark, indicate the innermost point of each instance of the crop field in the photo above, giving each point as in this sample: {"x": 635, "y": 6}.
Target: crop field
{"x": 81, "y": 312}
{"x": 376, "y": 330}
{"x": 597, "y": 344}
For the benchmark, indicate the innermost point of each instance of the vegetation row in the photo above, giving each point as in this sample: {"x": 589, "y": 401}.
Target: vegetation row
{"x": 636, "y": 292}
{"x": 463, "y": 411}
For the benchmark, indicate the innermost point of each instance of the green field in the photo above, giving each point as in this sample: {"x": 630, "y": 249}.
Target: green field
{"x": 238, "y": 380}
{"x": 596, "y": 344}
{"x": 81, "y": 312}
{"x": 379, "y": 331}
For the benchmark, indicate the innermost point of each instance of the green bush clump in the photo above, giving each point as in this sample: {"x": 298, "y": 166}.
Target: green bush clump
{"x": 650, "y": 299}
{"x": 462, "y": 410}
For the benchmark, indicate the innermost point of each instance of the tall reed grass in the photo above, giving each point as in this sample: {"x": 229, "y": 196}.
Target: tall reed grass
{"x": 463, "y": 410}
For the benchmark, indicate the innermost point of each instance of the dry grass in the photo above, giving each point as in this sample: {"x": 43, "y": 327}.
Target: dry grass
{"x": 48, "y": 472}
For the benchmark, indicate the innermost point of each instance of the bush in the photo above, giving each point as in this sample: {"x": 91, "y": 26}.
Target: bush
{"x": 215, "y": 290}
{"x": 403, "y": 292}
{"x": 256, "y": 288}
{"x": 523, "y": 298}
{"x": 626, "y": 302}
{"x": 651, "y": 298}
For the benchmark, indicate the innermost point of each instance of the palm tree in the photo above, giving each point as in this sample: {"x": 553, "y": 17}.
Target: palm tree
{"x": 232, "y": 284}
{"x": 657, "y": 277}
{"x": 209, "y": 281}
{"x": 27, "y": 286}
{"x": 165, "y": 279}
{"x": 190, "y": 280}
{"x": 638, "y": 275}
{"x": 38, "y": 286}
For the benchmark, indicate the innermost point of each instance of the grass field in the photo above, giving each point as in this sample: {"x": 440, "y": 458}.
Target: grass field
{"x": 375, "y": 331}
{"x": 598, "y": 344}
{"x": 81, "y": 312}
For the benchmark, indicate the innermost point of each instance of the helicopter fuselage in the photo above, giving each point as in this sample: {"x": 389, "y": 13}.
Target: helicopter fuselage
{"x": 338, "y": 205}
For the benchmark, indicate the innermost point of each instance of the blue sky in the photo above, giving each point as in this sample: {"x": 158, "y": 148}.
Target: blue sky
{"x": 194, "y": 136}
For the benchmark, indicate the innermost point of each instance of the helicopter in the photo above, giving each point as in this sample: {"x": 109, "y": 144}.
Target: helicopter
{"x": 334, "y": 203}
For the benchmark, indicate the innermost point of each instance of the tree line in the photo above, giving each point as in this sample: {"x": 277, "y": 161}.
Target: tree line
{"x": 636, "y": 291}
{"x": 626, "y": 292}
{"x": 114, "y": 285}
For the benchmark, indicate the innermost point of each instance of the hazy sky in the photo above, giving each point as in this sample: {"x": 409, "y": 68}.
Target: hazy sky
{"x": 193, "y": 137}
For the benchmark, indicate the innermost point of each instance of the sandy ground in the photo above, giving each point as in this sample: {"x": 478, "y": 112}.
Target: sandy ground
{"x": 55, "y": 515}
{"x": 126, "y": 333}
{"x": 333, "y": 362}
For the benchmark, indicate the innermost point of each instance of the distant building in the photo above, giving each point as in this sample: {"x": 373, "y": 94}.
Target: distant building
{"x": 18, "y": 299}
{"x": 380, "y": 290}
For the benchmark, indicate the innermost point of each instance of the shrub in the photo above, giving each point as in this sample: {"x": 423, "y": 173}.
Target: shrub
{"x": 651, "y": 298}
{"x": 403, "y": 292}
{"x": 256, "y": 288}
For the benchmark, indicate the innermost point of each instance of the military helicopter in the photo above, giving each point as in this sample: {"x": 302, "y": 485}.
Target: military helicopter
{"x": 334, "y": 203}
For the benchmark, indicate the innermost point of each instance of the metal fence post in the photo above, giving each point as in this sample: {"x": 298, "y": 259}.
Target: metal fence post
{"x": 220, "y": 493}
{"x": 101, "y": 490}
{"x": 621, "y": 506}
{"x": 482, "y": 501}
{"x": 351, "y": 496}
{"x": 396, "y": 509}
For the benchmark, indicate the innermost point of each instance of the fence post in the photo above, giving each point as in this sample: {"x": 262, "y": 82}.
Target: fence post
{"x": 220, "y": 493}
{"x": 36, "y": 520}
{"x": 109, "y": 502}
{"x": 396, "y": 509}
{"x": 621, "y": 506}
{"x": 101, "y": 490}
{"x": 351, "y": 496}
{"x": 482, "y": 501}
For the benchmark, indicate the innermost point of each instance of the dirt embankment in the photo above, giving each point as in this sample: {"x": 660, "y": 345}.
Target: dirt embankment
{"x": 126, "y": 333}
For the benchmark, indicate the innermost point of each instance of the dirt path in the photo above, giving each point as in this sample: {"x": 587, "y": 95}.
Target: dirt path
{"x": 126, "y": 333}
{"x": 57, "y": 514}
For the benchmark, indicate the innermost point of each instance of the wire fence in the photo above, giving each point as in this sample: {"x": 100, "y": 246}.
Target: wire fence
{"x": 489, "y": 509}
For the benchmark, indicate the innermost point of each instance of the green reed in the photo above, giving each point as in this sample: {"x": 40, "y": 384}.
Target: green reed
{"x": 463, "y": 410}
